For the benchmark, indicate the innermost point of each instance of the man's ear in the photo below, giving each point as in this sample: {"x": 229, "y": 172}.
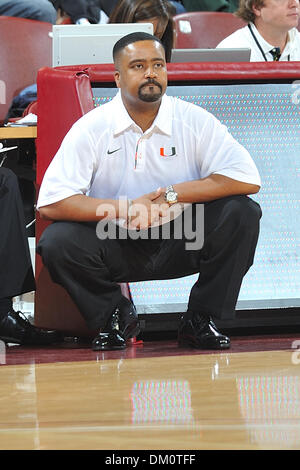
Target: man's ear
{"x": 117, "y": 78}
{"x": 256, "y": 10}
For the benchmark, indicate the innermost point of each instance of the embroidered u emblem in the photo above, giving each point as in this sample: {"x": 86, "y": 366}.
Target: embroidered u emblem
{"x": 162, "y": 152}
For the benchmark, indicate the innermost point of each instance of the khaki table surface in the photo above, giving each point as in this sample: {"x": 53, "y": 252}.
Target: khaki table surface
{"x": 28, "y": 132}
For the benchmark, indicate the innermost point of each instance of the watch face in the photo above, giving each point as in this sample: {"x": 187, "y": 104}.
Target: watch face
{"x": 171, "y": 196}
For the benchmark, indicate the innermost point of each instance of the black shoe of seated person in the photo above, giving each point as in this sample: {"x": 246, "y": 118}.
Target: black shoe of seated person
{"x": 16, "y": 328}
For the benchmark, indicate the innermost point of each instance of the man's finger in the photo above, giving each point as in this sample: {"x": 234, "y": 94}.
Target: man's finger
{"x": 164, "y": 210}
{"x": 155, "y": 194}
{"x": 134, "y": 223}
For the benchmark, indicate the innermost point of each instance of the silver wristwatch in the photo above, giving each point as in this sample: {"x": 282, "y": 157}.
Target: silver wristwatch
{"x": 171, "y": 195}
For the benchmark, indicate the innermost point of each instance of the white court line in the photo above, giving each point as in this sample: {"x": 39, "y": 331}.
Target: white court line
{"x": 154, "y": 427}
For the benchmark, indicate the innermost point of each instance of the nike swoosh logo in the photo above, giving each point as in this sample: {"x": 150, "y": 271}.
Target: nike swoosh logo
{"x": 109, "y": 152}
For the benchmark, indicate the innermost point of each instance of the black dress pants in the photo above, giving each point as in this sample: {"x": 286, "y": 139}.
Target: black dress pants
{"x": 90, "y": 268}
{"x": 16, "y": 274}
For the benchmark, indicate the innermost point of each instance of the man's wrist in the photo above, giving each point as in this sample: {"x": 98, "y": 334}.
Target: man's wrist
{"x": 121, "y": 207}
{"x": 171, "y": 196}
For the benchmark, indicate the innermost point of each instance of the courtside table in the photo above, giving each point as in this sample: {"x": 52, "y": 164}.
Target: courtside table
{"x": 28, "y": 132}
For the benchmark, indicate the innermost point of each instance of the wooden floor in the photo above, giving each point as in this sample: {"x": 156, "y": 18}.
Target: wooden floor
{"x": 189, "y": 400}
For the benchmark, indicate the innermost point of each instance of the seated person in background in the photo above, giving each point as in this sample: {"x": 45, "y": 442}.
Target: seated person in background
{"x": 108, "y": 6}
{"x": 16, "y": 275}
{"x": 41, "y": 10}
{"x": 158, "y": 12}
{"x": 211, "y": 5}
{"x": 140, "y": 158}
{"x": 178, "y": 6}
{"x": 80, "y": 11}
{"x": 271, "y": 33}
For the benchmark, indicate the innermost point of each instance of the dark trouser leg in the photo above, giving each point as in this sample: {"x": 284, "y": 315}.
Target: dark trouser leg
{"x": 231, "y": 234}
{"x": 75, "y": 258}
{"x": 90, "y": 269}
{"x": 16, "y": 274}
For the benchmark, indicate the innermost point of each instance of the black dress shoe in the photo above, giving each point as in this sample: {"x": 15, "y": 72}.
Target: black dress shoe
{"x": 129, "y": 324}
{"x": 110, "y": 338}
{"x": 110, "y": 341}
{"x": 199, "y": 331}
{"x": 122, "y": 325}
{"x": 15, "y": 328}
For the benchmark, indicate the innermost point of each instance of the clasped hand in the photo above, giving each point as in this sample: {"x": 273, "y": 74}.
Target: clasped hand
{"x": 147, "y": 210}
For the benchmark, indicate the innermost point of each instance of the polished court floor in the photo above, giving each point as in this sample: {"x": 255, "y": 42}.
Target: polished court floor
{"x": 153, "y": 395}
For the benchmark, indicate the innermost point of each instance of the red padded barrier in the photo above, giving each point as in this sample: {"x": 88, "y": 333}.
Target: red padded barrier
{"x": 63, "y": 97}
{"x": 204, "y": 71}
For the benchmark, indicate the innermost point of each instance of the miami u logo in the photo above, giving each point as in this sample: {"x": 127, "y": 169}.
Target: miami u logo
{"x": 162, "y": 152}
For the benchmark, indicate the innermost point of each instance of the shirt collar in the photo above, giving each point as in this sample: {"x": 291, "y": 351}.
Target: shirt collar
{"x": 266, "y": 46}
{"x": 122, "y": 118}
{"x": 291, "y": 40}
{"x": 163, "y": 120}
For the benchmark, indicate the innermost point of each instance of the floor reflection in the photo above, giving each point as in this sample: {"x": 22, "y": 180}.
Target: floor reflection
{"x": 160, "y": 401}
{"x": 272, "y": 404}
{"x": 204, "y": 401}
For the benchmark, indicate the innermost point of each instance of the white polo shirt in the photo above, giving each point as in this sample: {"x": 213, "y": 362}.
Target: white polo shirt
{"x": 106, "y": 155}
{"x": 243, "y": 38}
